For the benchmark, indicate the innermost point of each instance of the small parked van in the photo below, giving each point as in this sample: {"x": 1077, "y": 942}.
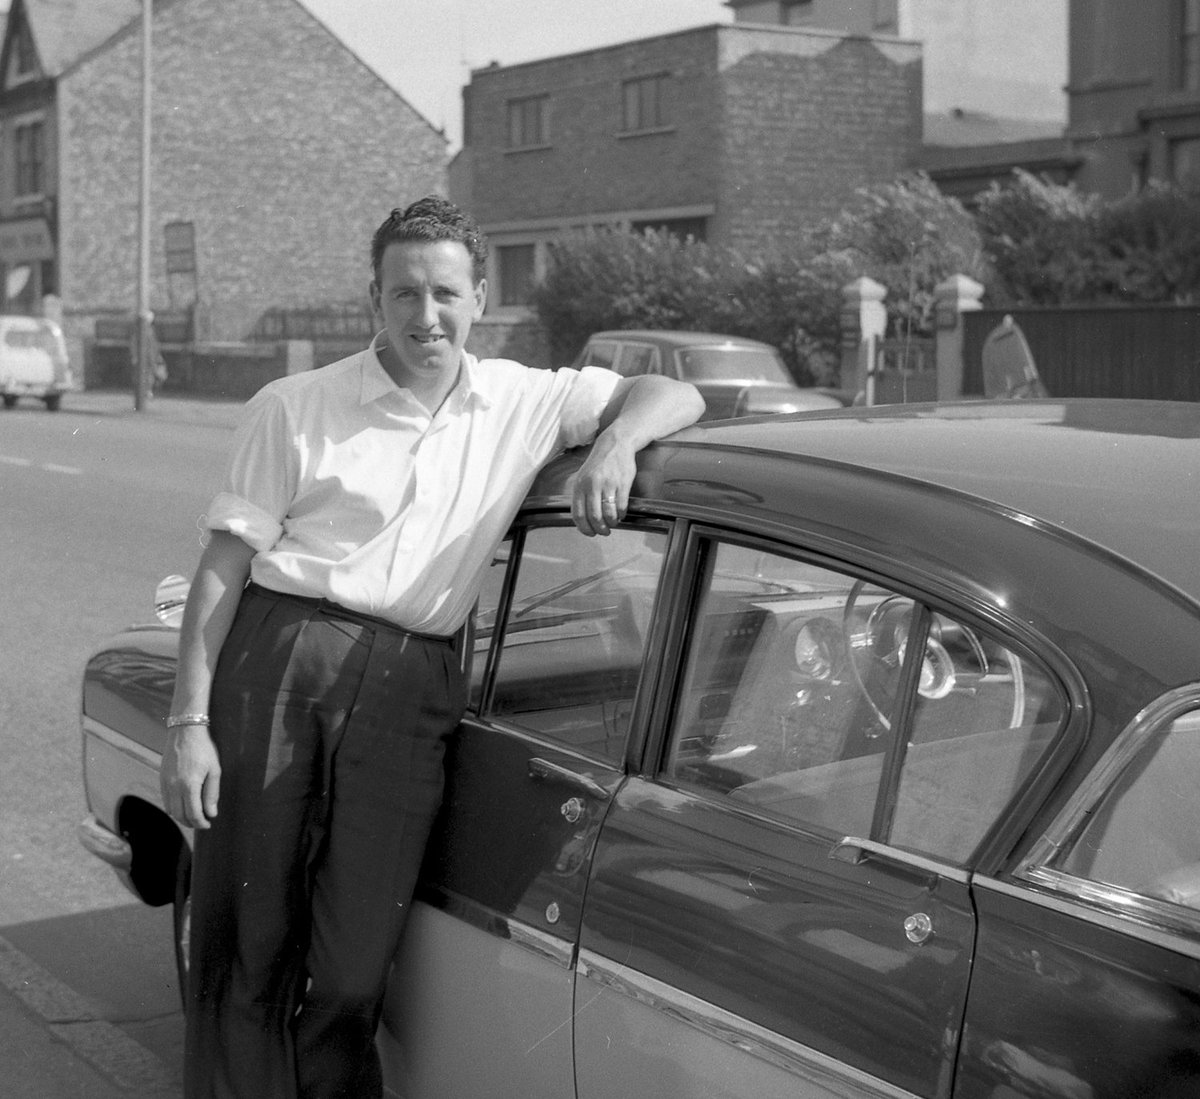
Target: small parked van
{"x": 33, "y": 361}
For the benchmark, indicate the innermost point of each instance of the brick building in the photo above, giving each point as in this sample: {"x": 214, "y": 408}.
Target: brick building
{"x": 738, "y": 134}
{"x": 1134, "y": 93}
{"x": 275, "y": 153}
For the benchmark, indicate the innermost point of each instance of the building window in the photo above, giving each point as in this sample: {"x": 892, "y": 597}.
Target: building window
{"x": 885, "y": 18}
{"x": 1189, "y": 46}
{"x": 25, "y": 55}
{"x": 517, "y": 275}
{"x": 1185, "y": 161}
{"x": 30, "y": 143}
{"x": 644, "y": 103}
{"x": 529, "y": 122}
{"x": 682, "y": 229}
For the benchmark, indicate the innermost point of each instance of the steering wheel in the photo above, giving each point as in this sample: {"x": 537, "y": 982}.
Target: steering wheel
{"x": 880, "y": 644}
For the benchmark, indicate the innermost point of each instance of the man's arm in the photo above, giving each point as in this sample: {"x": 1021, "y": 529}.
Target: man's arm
{"x": 640, "y": 410}
{"x": 191, "y": 773}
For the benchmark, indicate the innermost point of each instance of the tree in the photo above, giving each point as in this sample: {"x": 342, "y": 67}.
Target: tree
{"x": 908, "y": 236}
{"x": 1040, "y": 238}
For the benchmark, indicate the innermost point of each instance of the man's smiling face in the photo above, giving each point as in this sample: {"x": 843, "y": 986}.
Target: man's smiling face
{"x": 427, "y": 297}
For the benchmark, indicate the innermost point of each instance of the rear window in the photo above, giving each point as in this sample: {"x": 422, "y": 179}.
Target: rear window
{"x": 41, "y": 337}
{"x": 600, "y": 353}
{"x": 732, "y": 364}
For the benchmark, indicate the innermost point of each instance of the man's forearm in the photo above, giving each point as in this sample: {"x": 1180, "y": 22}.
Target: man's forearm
{"x": 207, "y": 617}
{"x": 652, "y": 408}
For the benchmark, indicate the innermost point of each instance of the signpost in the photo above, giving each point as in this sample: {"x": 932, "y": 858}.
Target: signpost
{"x": 142, "y": 365}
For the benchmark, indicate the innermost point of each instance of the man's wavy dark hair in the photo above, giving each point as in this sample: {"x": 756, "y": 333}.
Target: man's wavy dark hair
{"x": 428, "y": 220}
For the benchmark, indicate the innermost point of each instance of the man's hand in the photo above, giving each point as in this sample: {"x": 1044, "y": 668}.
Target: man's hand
{"x": 602, "y": 484}
{"x": 191, "y": 776}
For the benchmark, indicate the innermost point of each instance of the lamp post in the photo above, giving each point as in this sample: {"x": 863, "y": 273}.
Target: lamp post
{"x": 142, "y": 366}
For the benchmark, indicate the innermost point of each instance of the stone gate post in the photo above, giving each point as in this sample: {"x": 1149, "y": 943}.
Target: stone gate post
{"x": 955, "y": 296}
{"x": 863, "y": 323}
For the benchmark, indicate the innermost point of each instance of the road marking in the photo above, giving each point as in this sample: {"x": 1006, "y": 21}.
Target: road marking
{"x": 77, "y": 1022}
{"x": 49, "y": 467}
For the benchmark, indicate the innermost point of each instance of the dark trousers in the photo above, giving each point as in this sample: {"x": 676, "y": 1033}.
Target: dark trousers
{"x": 331, "y": 735}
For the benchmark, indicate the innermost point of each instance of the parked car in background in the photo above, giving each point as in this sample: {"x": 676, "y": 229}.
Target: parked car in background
{"x": 33, "y": 361}
{"x": 860, "y": 760}
{"x": 736, "y": 376}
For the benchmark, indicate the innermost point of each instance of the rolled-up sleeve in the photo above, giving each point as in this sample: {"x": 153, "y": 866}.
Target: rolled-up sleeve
{"x": 261, "y": 478}
{"x": 592, "y": 389}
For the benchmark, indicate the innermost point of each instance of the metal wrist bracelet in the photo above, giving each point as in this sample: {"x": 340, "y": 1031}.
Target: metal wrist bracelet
{"x": 176, "y": 720}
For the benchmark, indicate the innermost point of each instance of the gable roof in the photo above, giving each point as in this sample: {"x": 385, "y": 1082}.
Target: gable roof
{"x": 65, "y": 30}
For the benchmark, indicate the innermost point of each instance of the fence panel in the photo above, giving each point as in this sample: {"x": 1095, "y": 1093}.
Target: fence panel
{"x": 906, "y": 371}
{"x": 1148, "y": 351}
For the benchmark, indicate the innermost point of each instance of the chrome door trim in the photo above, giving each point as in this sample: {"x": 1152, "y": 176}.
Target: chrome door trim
{"x": 529, "y": 938}
{"x": 854, "y": 850}
{"x": 807, "y": 1064}
{"x": 1134, "y": 922}
{"x": 122, "y": 743}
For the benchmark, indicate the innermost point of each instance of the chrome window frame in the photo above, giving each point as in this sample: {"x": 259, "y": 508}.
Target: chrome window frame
{"x": 1036, "y": 869}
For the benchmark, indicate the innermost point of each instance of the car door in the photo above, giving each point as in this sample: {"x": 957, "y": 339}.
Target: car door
{"x": 1088, "y": 971}
{"x": 483, "y": 996}
{"x": 779, "y": 902}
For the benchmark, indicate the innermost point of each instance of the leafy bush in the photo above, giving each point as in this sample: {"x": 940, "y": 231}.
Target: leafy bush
{"x": 600, "y": 279}
{"x": 1051, "y": 245}
{"x": 909, "y": 237}
{"x": 1040, "y": 238}
{"x": 905, "y": 234}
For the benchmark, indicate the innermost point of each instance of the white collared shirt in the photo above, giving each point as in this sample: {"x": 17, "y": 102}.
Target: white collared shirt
{"x": 348, "y": 488}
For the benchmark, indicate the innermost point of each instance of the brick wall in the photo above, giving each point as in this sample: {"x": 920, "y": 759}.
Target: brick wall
{"x": 807, "y": 117}
{"x": 771, "y": 126}
{"x": 276, "y": 141}
{"x": 587, "y": 167}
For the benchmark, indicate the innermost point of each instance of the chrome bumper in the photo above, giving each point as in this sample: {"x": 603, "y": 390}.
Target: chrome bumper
{"x": 107, "y": 846}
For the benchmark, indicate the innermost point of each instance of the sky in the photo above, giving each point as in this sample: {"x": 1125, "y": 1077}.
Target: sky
{"x": 426, "y": 49}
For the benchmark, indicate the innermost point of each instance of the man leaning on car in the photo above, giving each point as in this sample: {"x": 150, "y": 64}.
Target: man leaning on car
{"x": 320, "y": 663}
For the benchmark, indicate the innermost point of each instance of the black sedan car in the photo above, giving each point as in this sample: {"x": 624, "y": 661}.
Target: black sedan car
{"x": 861, "y": 760}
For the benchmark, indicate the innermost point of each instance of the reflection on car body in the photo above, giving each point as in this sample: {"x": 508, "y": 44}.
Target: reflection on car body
{"x": 858, "y": 761}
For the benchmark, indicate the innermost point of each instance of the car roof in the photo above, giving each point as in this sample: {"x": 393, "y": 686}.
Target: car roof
{"x": 680, "y": 339}
{"x": 1121, "y": 475}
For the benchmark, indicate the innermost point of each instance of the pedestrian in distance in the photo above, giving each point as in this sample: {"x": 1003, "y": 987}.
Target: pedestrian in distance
{"x": 321, "y": 664}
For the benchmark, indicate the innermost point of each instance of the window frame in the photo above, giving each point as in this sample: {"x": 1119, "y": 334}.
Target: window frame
{"x": 1024, "y": 797}
{"x": 503, "y": 289}
{"x": 1037, "y": 868}
{"x": 1186, "y": 68}
{"x": 29, "y": 161}
{"x": 518, "y": 122}
{"x": 636, "y": 121}
{"x": 644, "y": 693}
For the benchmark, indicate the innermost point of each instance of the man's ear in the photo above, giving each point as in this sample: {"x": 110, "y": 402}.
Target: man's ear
{"x": 480, "y": 297}
{"x": 376, "y": 302}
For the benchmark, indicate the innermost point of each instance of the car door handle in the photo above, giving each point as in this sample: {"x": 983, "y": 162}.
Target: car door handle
{"x": 854, "y": 849}
{"x": 553, "y": 772}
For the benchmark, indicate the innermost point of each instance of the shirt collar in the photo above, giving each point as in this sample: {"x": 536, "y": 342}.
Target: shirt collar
{"x": 376, "y": 382}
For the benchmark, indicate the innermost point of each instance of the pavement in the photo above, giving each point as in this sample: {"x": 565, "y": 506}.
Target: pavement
{"x": 54, "y": 1043}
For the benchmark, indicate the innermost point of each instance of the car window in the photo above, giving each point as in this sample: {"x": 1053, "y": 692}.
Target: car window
{"x": 1144, "y": 834}
{"x": 732, "y": 364}
{"x": 574, "y": 636}
{"x": 638, "y": 358}
{"x": 600, "y": 353}
{"x": 793, "y": 703}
